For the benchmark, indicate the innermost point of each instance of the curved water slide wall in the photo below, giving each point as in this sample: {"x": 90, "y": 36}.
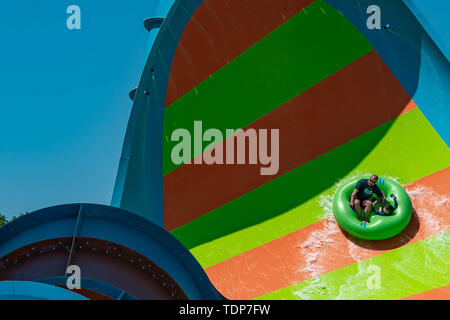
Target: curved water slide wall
{"x": 347, "y": 101}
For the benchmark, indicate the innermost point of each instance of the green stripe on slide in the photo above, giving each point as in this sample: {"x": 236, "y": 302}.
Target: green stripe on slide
{"x": 407, "y": 148}
{"x": 411, "y": 269}
{"x": 308, "y": 48}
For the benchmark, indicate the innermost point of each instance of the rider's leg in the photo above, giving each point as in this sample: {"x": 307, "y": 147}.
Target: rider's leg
{"x": 358, "y": 208}
{"x": 367, "y": 210}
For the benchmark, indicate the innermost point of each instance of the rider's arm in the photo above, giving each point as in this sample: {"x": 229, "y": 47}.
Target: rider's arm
{"x": 395, "y": 202}
{"x": 352, "y": 198}
{"x": 381, "y": 213}
{"x": 380, "y": 195}
{"x": 380, "y": 199}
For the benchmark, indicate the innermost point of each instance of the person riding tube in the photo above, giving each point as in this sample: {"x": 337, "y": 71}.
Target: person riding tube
{"x": 360, "y": 198}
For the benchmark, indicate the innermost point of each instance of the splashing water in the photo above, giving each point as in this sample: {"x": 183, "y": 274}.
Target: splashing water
{"x": 316, "y": 287}
{"x": 314, "y": 247}
{"x": 432, "y": 206}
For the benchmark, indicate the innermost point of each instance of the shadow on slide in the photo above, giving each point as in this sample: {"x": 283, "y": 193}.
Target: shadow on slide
{"x": 282, "y": 194}
{"x": 395, "y": 242}
{"x": 400, "y": 49}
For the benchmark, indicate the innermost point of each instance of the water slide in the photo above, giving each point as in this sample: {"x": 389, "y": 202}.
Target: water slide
{"x": 347, "y": 100}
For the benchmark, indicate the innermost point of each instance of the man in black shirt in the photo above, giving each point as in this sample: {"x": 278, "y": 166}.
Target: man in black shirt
{"x": 360, "y": 198}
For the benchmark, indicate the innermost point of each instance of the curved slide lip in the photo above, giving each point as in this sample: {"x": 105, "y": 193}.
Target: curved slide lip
{"x": 29, "y": 290}
{"x": 117, "y": 226}
{"x": 98, "y": 287}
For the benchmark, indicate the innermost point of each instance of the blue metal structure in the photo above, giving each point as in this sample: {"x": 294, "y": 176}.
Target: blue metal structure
{"x": 142, "y": 177}
{"x": 103, "y": 288}
{"x": 28, "y": 290}
{"x": 104, "y": 242}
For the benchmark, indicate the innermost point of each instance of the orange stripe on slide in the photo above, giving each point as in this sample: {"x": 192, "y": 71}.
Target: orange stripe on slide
{"x": 322, "y": 247}
{"x": 358, "y": 98}
{"x": 219, "y": 31}
{"x": 442, "y": 293}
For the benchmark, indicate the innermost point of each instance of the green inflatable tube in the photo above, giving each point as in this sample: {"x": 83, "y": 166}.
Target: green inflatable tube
{"x": 380, "y": 227}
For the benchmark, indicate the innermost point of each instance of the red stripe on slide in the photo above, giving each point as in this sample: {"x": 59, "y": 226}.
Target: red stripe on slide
{"x": 442, "y": 293}
{"x": 358, "y": 98}
{"x": 322, "y": 247}
{"x": 219, "y": 31}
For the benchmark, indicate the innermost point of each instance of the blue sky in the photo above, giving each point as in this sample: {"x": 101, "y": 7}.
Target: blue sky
{"x": 64, "y": 98}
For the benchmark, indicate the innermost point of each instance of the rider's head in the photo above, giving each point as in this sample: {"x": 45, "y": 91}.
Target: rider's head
{"x": 389, "y": 209}
{"x": 373, "y": 180}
